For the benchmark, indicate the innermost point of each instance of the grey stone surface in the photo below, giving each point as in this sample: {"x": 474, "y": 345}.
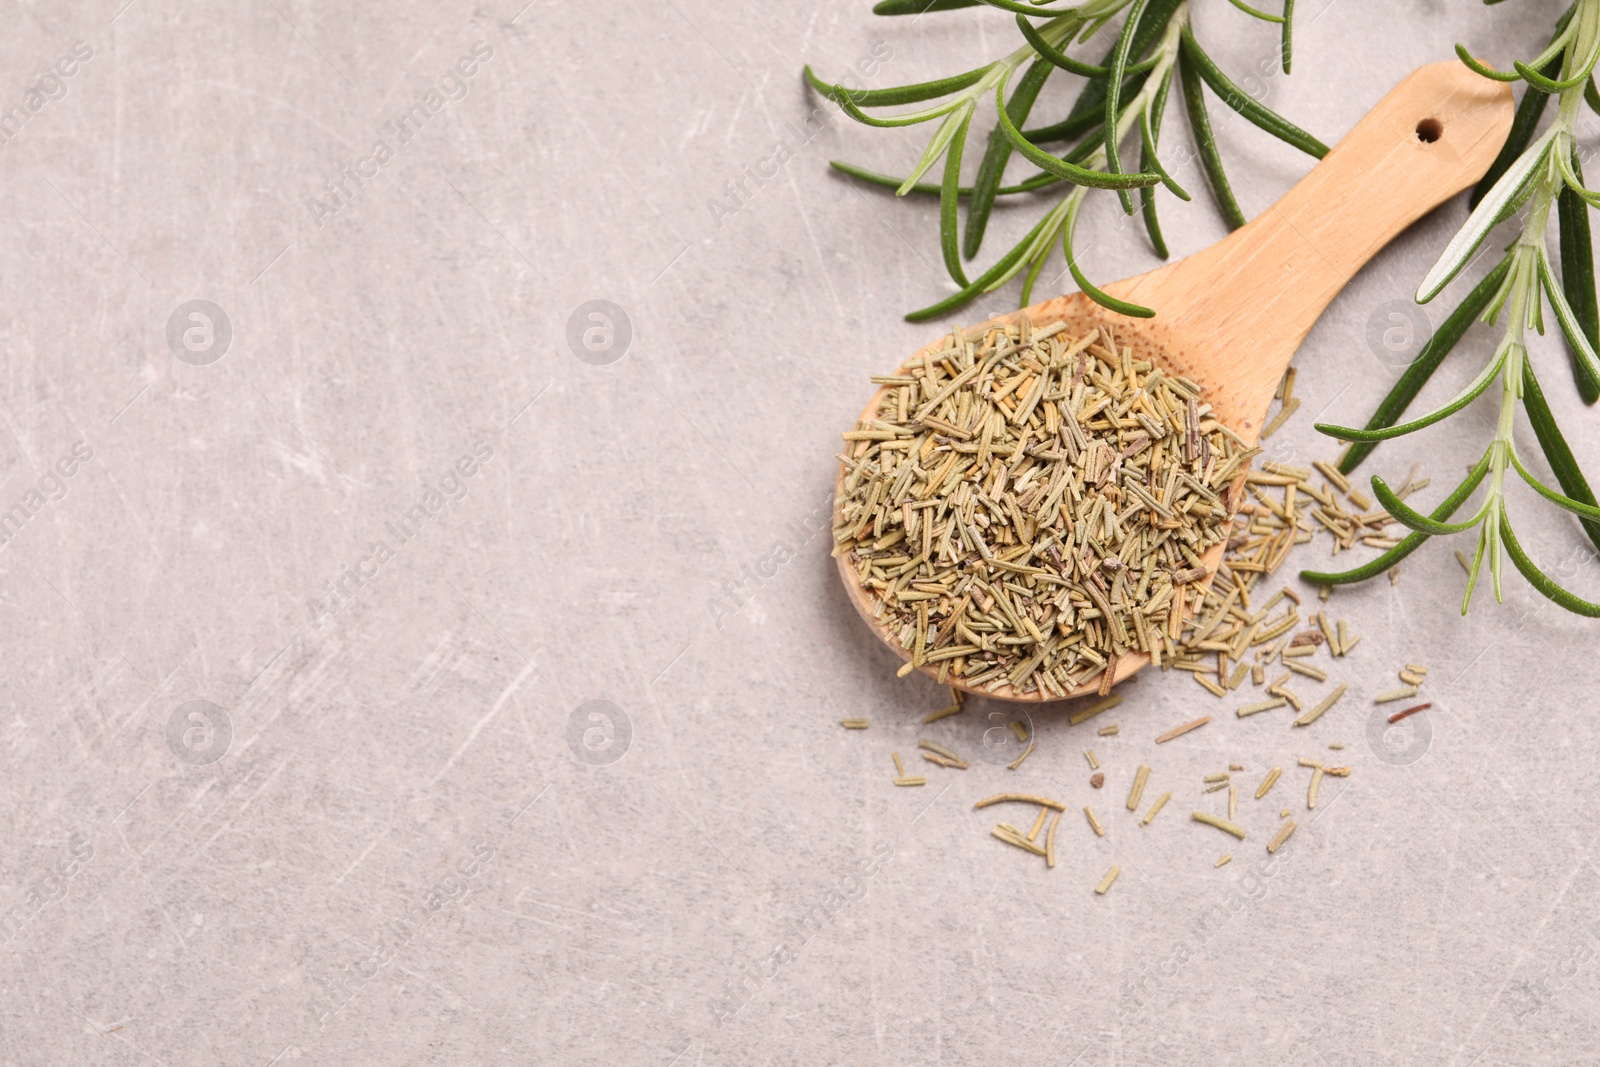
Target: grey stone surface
{"x": 398, "y": 829}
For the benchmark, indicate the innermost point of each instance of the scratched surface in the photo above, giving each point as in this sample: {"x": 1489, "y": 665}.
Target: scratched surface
{"x": 404, "y": 666}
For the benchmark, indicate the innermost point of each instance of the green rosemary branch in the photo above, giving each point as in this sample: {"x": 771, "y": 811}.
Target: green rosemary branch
{"x": 1121, "y": 102}
{"x": 1539, "y": 172}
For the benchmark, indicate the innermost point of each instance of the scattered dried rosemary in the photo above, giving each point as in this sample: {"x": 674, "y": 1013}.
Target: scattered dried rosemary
{"x": 1232, "y": 638}
{"x": 1025, "y": 507}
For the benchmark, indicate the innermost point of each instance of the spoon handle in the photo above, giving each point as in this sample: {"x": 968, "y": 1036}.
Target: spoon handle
{"x": 1251, "y": 298}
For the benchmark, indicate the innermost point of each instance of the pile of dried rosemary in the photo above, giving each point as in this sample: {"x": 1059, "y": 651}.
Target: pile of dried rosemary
{"x": 1025, "y": 507}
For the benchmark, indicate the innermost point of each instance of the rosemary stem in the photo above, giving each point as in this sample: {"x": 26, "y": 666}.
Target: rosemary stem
{"x": 1525, "y": 295}
{"x": 1523, "y": 304}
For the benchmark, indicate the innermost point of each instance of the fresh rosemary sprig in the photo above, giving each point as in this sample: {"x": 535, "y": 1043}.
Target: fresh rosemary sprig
{"x": 1540, "y": 173}
{"x": 1122, "y": 99}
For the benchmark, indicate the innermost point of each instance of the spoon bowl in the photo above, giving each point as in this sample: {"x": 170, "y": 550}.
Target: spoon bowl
{"x": 1230, "y": 317}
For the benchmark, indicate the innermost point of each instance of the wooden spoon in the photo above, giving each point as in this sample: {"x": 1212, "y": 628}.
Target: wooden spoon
{"x": 1231, "y": 316}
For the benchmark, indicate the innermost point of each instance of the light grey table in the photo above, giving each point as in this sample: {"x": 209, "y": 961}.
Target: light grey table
{"x": 410, "y": 521}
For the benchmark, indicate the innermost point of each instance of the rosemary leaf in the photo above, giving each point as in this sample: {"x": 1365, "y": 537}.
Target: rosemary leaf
{"x": 998, "y": 153}
{"x": 1412, "y": 519}
{"x": 1060, "y": 58}
{"x": 1113, "y": 110}
{"x": 1034, "y": 267}
{"x": 1526, "y": 120}
{"x": 1538, "y": 579}
{"x": 1152, "y": 138}
{"x": 980, "y": 284}
{"x": 900, "y": 94}
{"x": 1036, "y": 182}
{"x": 1206, "y": 143}
{"x": 949, "y": 201}
{"x": 1264, "y": 16}
{"x": 1416, "y": 375}
{"x": 1067, "y": 130}
{"x": 1492, "y": 527}
{"x": 1514, "y": 187}
{"x": 1582, "y": 349}
{"x": 1554, "y": 447}
{"x": 1147, "y": 210}
{"x": 1288, "y": 34}
{"x": 1588, "y": 511}
{"x": 1148, "y": 137}
{"x": 1474, "y": 567}
{"x": 919, "y": 7}
{"x": 1158, "y": 107}
{"x": 1570, "y": 178}
{"x": 1485, "y": 71}
{"x": 1124, "y": 307}
{"x": 1029, "y": 9}
{"x": 1577, "y": 279}
{"x": 849, "y": 107}
{"x": 1229, "y": 93}
{"x": 1474, "y": 389}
